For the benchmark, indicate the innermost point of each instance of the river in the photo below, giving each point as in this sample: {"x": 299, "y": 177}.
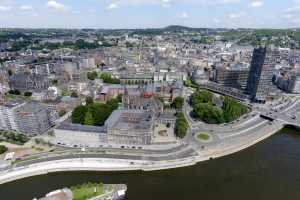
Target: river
{"x": 269, "y": 170}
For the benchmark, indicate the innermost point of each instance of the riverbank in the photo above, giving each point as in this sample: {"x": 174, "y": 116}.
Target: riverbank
{"x": 98, "y": 164}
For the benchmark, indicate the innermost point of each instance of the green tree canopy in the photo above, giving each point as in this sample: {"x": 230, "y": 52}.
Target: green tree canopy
{"x": 107, "y": 78}
{"x": 78, "y": 114}
{"x": 94, "y": 113}
{"x": 100, "y": 113}
{"x": 181, "y": 125}
{"x": 232, "y": 109}
{"x": 113, "y": 104}
{"x": 88, "y": 119}
{"x": 27, "y": 94}
{"x": 178, "y": 103}
{"x": 74, "y": 94}
{"x": 92, "y": 75}
{"x": 89, "y": 100}
{"x": 209, "y": 113}
{"x": 201, "y": 96}
{"x": 3, "y": 149}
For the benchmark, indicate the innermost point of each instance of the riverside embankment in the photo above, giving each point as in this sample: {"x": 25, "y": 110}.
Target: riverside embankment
{"x": 220, "y": 149}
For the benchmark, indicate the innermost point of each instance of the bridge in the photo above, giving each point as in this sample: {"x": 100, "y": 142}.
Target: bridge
{"x": 288, "y": 116}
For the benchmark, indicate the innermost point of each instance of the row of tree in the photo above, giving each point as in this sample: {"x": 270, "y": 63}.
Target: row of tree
{"x": 204, "y": 108}
{"x": 181, "y": 125}
{"x": 94, "y": 113}
{"x": 107, "y": 78}
{"x": 17, "y": 92}
{"x": 178, "y": 103}
{"x": 13, "y": 137}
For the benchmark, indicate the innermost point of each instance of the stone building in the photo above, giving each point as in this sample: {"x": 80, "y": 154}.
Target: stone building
{"x": 132, "y": 127}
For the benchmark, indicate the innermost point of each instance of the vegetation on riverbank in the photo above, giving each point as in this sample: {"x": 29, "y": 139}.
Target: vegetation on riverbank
{"x": 205, "y": 109}
{"x": 87, "y": 191}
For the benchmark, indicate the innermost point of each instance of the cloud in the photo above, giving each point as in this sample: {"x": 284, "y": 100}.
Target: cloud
{"x": 112, "y": 6}
{"x": 52, "y": 4}
{"x": 294, "y": 8}
{"x": 26, "y": 8}
{"x": 162, "y": 3}
{"x": 5, "y": 8}
{"x": 288, "y": 16}
{"x": 216, "y": 21}
{"x": 184, "y": 15}
{"x": 237, "y": 15}
{"x": 228, "y": 1}
{"x": 257, "y": 3}
{"x": 165, "y": 3}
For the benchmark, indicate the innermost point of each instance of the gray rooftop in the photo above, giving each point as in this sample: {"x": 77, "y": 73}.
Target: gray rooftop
{"x": 78, "y": 127}
{"x": 135, "y": 120}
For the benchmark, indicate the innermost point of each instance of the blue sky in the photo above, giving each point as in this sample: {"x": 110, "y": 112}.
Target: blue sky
{"x": 149, "y": 13}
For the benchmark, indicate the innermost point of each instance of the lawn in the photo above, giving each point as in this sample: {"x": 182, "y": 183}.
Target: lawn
{"x": 87, "y": 191}
{"x": 203, "y": 136}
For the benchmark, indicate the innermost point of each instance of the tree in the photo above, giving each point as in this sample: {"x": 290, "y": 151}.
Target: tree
{"x": 78, "y": 114}
{"x": 181, "y": 125}
{"x": 88, "y": 119}
{"x": 3, "y": 149}
{"x": 232, "y": 109}
{"x": 14, "y": 92}
{"x": 178, "y": 103}
{"x": 100, "y": 113}
{"x": 62, "y": 113}
{"x": 201, "y": 96}
{"x": 10, "y": 72}
{"x": 74, "y": 94}
{"x": 92, "y": 75}
{"x": 113, "y": 104}
{"x": 89, "y": 100}
{"x": 107, "y": 78}
{"x": 208, "y": 113}
{"x": 94, "y": 113}
{"x": 54, "y": 82}
{"x": 120, "y": 98}
{"x": 27, "y": 94}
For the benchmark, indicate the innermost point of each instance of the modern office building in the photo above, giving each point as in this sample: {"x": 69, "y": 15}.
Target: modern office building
{"x": 33, "y": 118}
{"x": 259, "y": 84}
{"x": 235, "y": 75}
{"x": 28, "y": 118}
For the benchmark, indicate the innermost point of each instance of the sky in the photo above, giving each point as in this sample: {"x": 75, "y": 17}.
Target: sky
{"x": 149, "y": 13}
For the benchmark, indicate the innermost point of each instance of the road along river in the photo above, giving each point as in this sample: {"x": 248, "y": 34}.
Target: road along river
{"x": 267, "y": 170}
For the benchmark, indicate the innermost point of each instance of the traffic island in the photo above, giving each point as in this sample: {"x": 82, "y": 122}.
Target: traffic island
{"x": 203, "y": 137}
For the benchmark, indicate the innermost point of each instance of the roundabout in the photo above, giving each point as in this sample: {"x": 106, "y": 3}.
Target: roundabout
{"x": 203, "y": 137}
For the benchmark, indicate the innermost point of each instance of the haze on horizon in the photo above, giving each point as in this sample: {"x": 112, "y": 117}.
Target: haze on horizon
{"x": 115, "y": 14}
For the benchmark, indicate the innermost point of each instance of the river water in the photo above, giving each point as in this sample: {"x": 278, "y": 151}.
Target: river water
{"x": 269, "y": 170}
